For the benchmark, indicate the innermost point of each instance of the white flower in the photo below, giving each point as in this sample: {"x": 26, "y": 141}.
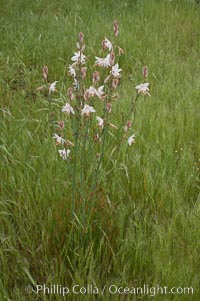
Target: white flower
{"x": 72, "y": 71}
{"x": 100, "y": 92}
{"x": 67, "y": 109}
{"x": 91, "y": 91}
{"x": 64, "y": 153}
{"x": 108, "y": 44}
{"x": 87, "y": 110}
{"x": 59, "y": 140}
{"x": 78, "y": 56}
{"x": 131, "y": 139}
{"x": 116, "y": 71}
{"x": 99, "y": 61}
{"x": 116, "y": 28}
{"x": 100, "y": 121}
{"x": 143, "y": 89}
{"x": 75, "y": 84}
{"x": 52, "y": 87}
{"x": 103, "y": 62}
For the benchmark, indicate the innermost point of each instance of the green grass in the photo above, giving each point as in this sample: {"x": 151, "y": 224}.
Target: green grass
{"x": 146, "y": 224}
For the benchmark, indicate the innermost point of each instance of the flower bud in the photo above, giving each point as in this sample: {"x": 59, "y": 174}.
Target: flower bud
{"x": 70, "y": 93}
{"x": 127, "y": 126}
{"x": 45, "y": 72}
{"x": 97, "y": 137}
{"x": 120, "y": 50}
{"x": 109, "y": 107}
{"x": 86, "y": 95}
{"x": 97, "y": 156}
{"x": 81, "y": 37}
{"x": 145, "y": 72}
{"x": 116, "y": 28}
{"x": 103, "y": 44}
{"x": 83, "y": 72}
{"x": 129, "y": 123}
{"x": 112, "y": 58}
{"x": 61, "y": 124}
{"x": 96, "y": 77}
{"x": 115, "y": 83}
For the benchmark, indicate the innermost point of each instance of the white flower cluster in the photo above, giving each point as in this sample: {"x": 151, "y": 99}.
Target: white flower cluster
{"x": 82, "y": 99}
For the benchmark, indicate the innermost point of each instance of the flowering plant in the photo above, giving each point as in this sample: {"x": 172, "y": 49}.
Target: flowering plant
{"x": 87, "y": 131}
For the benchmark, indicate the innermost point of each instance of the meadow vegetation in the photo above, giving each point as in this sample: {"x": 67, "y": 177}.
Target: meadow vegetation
{"x": 141, "y": 223}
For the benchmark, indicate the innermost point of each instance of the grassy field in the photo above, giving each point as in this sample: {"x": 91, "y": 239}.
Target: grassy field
{"x": 144, "y": 226}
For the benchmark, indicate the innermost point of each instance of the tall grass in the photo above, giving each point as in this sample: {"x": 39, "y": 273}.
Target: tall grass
{"x": 145, "y": 224}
